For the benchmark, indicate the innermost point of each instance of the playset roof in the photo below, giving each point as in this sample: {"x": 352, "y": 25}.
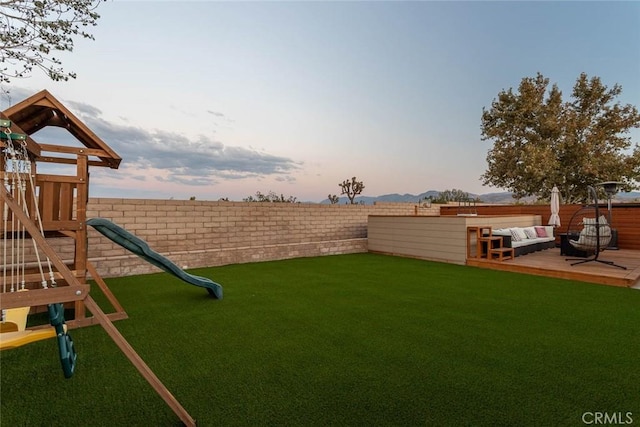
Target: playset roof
{"x": 43, "y": 109}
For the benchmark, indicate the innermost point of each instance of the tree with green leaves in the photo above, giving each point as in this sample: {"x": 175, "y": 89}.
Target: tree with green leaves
{"x": 453, "y": 195}
{"x": 541, "y": 141}
{"x": 270, "y": 197}
{"x": 32, "y": 31}
{"x": 351, "y": 188}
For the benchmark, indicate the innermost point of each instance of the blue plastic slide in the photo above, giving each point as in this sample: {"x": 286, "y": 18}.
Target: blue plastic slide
{"x": 139, "y": 247}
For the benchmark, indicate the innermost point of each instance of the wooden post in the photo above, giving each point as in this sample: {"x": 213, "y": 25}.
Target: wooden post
{"x": 82, "y": 198}
{"x": 140, "y": 365}
{"x": 104, "y": 288}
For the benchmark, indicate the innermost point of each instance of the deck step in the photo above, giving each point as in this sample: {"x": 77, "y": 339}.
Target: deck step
{"x": 501, "y": 254}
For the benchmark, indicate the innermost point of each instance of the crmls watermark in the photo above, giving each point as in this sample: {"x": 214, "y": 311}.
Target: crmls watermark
{"x": 607, "y": 418}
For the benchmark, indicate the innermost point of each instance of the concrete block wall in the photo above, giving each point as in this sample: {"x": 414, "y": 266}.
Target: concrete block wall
{"x": 207, "y": 233}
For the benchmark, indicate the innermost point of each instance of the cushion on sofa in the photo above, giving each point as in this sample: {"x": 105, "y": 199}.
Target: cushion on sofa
{"x": 515, "y": 236}
{"x": 520, "y": 232}
{"x": 541, "y": 231}
{"x": 530, "y": 232}
{"x": 501, "y": 232}
{"x": 550, "y": 231}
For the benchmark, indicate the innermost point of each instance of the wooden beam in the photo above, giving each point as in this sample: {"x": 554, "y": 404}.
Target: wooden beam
{"x": 68, "y": 161}
{"x": 61, "y": 225}
{"x": 73, "y": 150}
{"x": 137, "y": 361}
{"x": 92, "y": 321}
{"x": 57, "y": 178}
{"x": 37, "y": 297}
{"x": 36, "y": 277}
{"x": 103, "y": 287}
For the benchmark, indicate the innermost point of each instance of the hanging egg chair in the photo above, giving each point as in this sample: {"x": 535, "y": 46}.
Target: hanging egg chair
{"x": 592, "y": 230}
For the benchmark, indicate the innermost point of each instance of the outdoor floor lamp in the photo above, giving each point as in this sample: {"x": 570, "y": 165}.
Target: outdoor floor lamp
{"x": 611, "y": 188}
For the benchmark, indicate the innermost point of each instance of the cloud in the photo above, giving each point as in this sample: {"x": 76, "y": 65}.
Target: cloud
{"x": 158, "y": 162}
{"x": 85, "y": 109}
{"x": 197, "y": 161}
{"x": 185, "y": 180}
{"x": 215, "y": 113}
{"x": 13, "y": 95}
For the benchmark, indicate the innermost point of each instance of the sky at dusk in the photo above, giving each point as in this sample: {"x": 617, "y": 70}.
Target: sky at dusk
{"x": 223, "y": 99}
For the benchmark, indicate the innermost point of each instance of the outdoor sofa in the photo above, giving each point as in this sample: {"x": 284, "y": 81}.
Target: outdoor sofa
{"x": 525, "y": 240}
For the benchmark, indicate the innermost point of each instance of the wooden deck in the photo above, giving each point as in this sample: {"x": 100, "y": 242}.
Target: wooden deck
{"x": 551, "y": 264}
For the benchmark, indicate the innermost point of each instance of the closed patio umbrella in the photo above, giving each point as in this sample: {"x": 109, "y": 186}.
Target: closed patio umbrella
{"x": 554, "y": 219}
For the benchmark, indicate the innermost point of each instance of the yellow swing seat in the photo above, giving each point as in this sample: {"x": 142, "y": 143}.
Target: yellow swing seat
{"x": 13, "y": 332}
{"x": 9, "y": 340}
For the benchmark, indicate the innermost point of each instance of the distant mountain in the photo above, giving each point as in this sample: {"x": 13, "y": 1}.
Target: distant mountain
{"x": 495, "y": 198}
{"x": 391, "y": 198}
{"x": 415, "y": 198}
{"x": 628, "y": 196}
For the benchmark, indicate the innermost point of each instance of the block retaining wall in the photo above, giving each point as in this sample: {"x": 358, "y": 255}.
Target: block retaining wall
{"x": 202, "y": 234}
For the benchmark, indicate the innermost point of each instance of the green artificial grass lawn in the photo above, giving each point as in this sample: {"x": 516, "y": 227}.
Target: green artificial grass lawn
{"x": 350, "y": 340}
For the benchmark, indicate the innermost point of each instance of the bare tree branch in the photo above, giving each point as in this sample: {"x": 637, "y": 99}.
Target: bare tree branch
{"x": 32, "y": 31}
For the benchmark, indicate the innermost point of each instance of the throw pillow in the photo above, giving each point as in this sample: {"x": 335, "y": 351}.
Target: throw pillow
{"x": 530, "y": 233}
{"x": 590, "y": 227}
{"x": 592, "y": 221}
{"x": 589, "y": 235}
{"x": 520, "y": 232}
{"x": 515, "y": 236}
{"x": 541, "y": 232}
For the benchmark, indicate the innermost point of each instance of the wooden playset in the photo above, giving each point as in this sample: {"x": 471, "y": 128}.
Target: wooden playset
{"x": 39, "y": 208}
